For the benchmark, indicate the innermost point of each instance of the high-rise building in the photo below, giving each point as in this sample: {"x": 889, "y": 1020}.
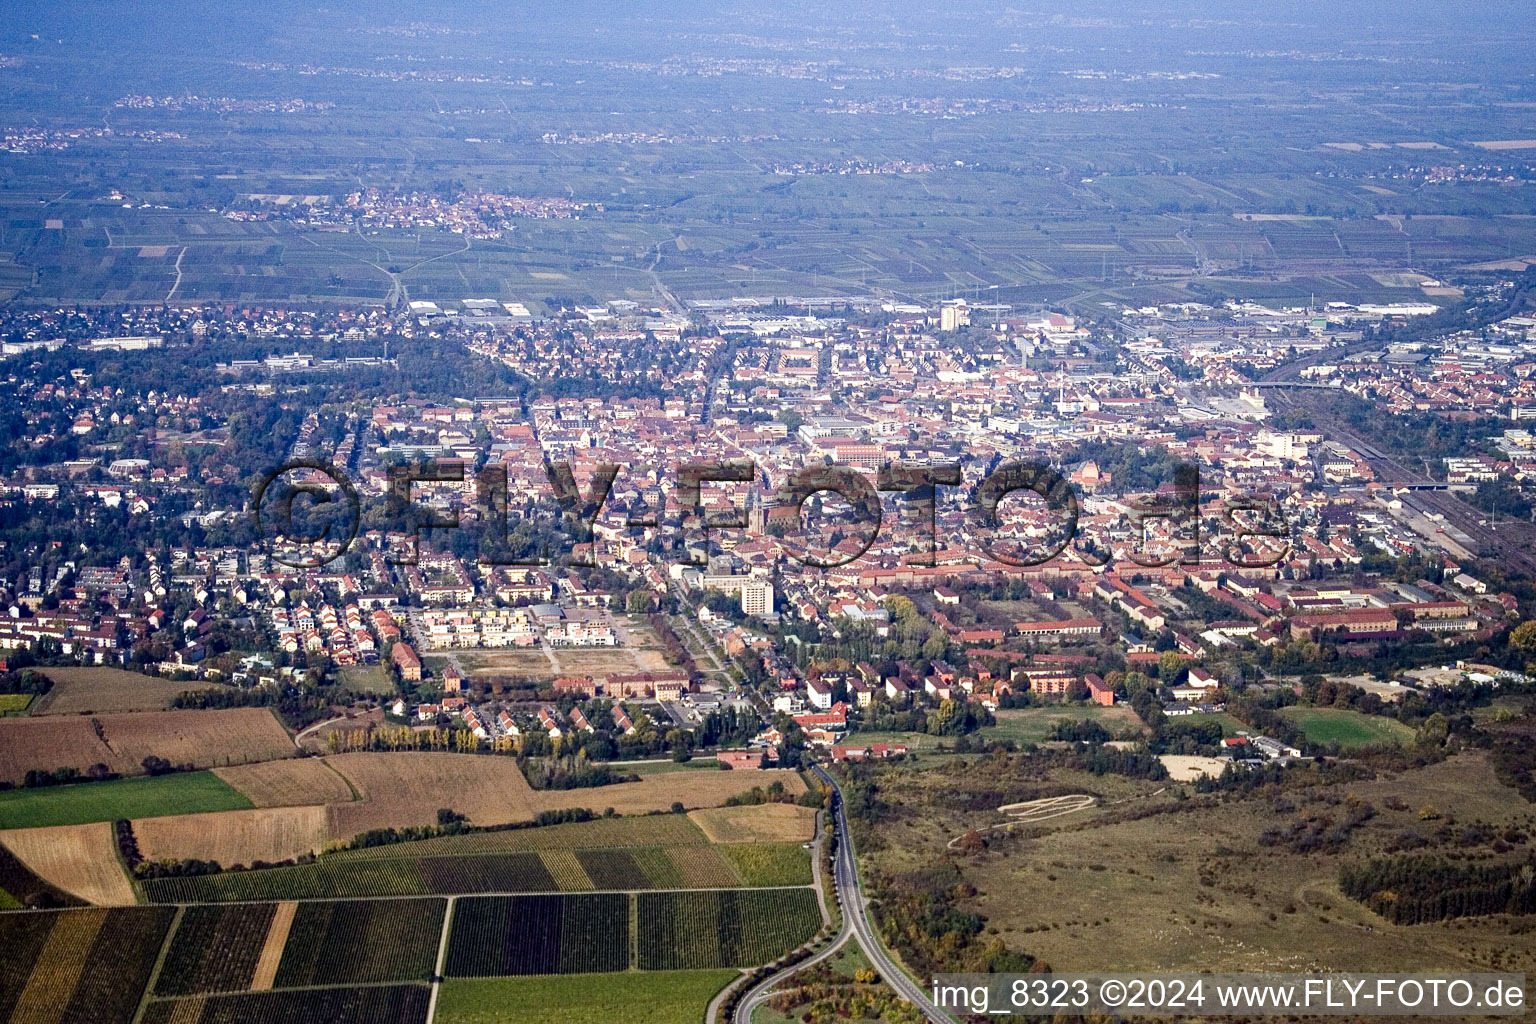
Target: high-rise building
{"x": 757, "y": 598}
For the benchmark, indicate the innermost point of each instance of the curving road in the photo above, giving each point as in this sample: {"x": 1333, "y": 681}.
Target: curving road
{"x": 845, "y": 876}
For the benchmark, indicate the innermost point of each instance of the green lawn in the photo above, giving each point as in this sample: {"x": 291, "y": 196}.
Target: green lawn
{"x": 14, "y": 703}
{"x": 914, "y": 740}
{"x": 707, "y": 764}
{"x": 1349, "y": 729}
{"x": 652, "y": 997}
{"x": 182, "y": 793}
{"x": 1229, "y": 725}
{"x": 1035, "y": 725}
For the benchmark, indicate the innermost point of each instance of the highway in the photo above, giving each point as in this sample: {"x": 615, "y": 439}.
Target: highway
{"x": 845, "y": 877}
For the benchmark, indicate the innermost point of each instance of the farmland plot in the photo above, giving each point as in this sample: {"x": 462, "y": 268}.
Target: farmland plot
{"x": 658, "y": 792}
{"x": 20, "y": 886}
{"x": 509, "y": 872}
{"x": 319, "y": 880}
{"x": 77, "y": 804}
{"x": 269, "y": 834}
{"x": 514, "y": 935}
{"x": 729, "y": 928}
{"x": 215, "y": 949}
{"x": 757, "y": 823}
{"x": 122, "y": 741}
{"x": 598, "y": 834}
{"x": 79, "y": 965}
{"x": 408, "y": 787}
{"x": 98, "y": 690}
{"x": 294, "y": 782}
{"x": 79, "y": 859}
{"x": 770, "y": 864}
{"x": 370, "y": 1004}
{"x": 612, "y": 869}
{"x": 355, "y": 941}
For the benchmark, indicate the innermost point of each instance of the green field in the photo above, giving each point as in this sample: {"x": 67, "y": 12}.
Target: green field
{"x": 1229, "y": 725}
{"x": 707, "y": 764}
{"x": 662, "y": 997}
{"x": 182, "y": 793}
{"x": 770, "y": 864}
{"x": 913, "y": 740}
{"x": 14, "y": 703}
{"x": 367, "y": 679}
{"x": 635, "y": 868}
{"x": 1349, "y": 729}
{"x": 1035, "y": 725}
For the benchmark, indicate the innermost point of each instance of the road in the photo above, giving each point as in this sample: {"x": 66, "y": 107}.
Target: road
{"x": 845, "y": 876}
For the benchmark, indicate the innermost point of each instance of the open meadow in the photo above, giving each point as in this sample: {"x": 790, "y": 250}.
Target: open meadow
{"x": 1152, "y": 883}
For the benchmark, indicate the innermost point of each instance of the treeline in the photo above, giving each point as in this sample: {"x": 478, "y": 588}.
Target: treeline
{"x": 297, "y": 706}
{"x": 41, "y": 778}
{"x": 923, "y": 919}
{"x": 571, "y": 772}
{"x": 774, "y": 794}
{"x": 1415, "y": 890}
{"x": 26, "y": 681}
{"x": 671, "y": 645}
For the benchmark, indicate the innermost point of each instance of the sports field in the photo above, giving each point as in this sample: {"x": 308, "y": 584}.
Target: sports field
{"x": 1035, "y": 725}
{"x": 1349, "y": 729}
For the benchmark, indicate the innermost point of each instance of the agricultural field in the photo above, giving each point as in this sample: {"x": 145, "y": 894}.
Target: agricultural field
{"x": 515, "y": 935}
{"x": 269, "y": 834}
{"x": 1349, "y": 729}
{"x": 600, "y": 833}
{"x": 366, "y": 1004}
{"x": 407, "y": 788}
{"x": 99, "y": 690}
{"x": 14, "y": 704}
{"x": 122, "y": 741}
{"x": 215, "y": 949}
{"x": 78, "y": 965}
{"x": 658, "y": 793}
{"x": 79, "y": 803}
{"x": 356, "y": 941}
{"x": 1035, "y": 725}
{"x": 661, "y": 997}
{"x": 550, "y": 870}
{"x": 82, "y": 860}
{"x": 770, "y": 864}
{"x": 20, "y": 886}
{"x": 723, "y": 928}
{"x": 757, "y": 823}
{"x": 294, "y": 782}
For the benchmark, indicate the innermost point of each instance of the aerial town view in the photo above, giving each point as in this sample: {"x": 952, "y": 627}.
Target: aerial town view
{"x": 726, "y": 513}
